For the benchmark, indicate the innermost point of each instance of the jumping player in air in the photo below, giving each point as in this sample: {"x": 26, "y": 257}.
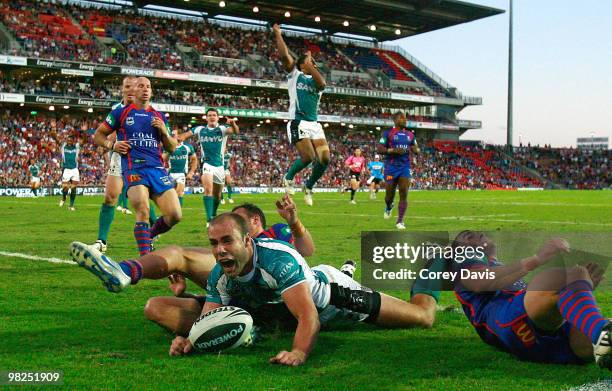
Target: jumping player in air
{"x": 183, "y": 163}
{"x": 70, "y": 174}
{"x": 375, "y": 169}
{"x": 355, "y": 163}
{"x": 261, "y": 272}
{"x": 179, "y": 263}
{"x": 213, "y": 141}
{"x": 396, "y": 144}
{"x": 141, "y": 134}
{"x": 34, "y": 170}
{"x": 305, "y": 86}
{"x": 553, "y": 319}
{"x": 227, "y": 158}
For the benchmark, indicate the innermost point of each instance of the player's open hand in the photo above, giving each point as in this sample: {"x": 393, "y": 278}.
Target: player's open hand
{"x": 122, "y": 147}
{"x": 292, "y": 358}
{"x": 159, "y": 124}
{"x": 177, "y": 284}
{"x": 180, "y": 346}
{"x": 287, "y": 209}
{"x": 276, "y": 28}
{"x": 230, "y": 120}
{"x": 551, "y": 248}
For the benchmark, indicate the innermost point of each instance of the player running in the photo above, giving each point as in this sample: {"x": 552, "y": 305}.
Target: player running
{"x": 178, "y": 313}
{"x": 70, "y": 175}
{"x": 113, "y": 188}
{"x": 213, "y": 141}
{"x": 553, "y": 319}
{"x": 255, "y": 273}
{"x": 141, "y": 132}
{"x": 355, "y": 163}
{"x": 375, "y": 169}
{"x": 227, "y": 158}
{"x": 34, "y": 170}
{"x": 397, "y": 143}
{"x": 305, "y": 86}
{"x": 183, "y": 163}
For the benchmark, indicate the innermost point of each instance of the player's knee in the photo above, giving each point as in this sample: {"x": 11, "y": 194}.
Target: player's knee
{"x": 577, "y": 273}
{"x": 110, "y": 199}
{"x": 324, "y": 159}
{"x": 175, "y": 217}
{"x": 153, "y": 309}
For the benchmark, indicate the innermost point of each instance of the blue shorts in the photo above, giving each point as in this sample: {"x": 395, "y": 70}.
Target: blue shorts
{"x": 393, "y": 173}
{"x": 156, "y": 179}
{"x": 508, "y": 327}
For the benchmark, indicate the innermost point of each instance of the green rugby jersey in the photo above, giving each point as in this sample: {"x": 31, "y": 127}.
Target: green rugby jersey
{"x": 70, "y": 155}
{"x": 226, "y": 160}
{"x": 304, "y": 96}
{"x": 34, "y": 169}
{"x": 277, "y": 266}
{"x": 213, "y": 142}
{"x": 179, "y": 159}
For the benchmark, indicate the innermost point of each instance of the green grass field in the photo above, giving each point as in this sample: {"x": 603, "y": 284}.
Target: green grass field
{"x": 59, "y": 317}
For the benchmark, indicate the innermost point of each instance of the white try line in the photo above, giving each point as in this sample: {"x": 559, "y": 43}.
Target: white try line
{"x": 36, "y": 258}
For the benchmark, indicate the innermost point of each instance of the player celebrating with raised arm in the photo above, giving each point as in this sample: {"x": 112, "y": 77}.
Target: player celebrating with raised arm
{"x": 397, "y": 143}
{"x": 305, "y": 86}
{"x": 70, "y": 174}
{"x": 113, "y": 187}
{"x": 34, "y": 170}
{"x": 260, "y": 272}
{"x": 141, "y": 133}
{"x": 355, "y": 163}
{"x": 375, "y": 169}
{"x": 183, "y": 163}
{"x": 553, "y": 319}
{"x": 213, "y": 141}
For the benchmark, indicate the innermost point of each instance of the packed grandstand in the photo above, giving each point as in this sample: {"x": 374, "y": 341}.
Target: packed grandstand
{"x": 202, "y": 63}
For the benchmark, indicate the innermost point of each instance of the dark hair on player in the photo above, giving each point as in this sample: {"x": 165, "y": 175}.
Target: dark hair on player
{"x": 253, "y": 210}
{"x": 211, "y": 109}
{"x": 300, "y": 61}
{"x": 238, "y": 220}
{"x": 397, "y": 114}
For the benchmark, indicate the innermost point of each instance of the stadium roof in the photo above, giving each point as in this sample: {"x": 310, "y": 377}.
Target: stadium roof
{"x": 393, "y": 19}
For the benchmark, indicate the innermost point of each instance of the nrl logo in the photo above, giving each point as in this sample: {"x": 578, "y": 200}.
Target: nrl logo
{"x": 130, "y": 121}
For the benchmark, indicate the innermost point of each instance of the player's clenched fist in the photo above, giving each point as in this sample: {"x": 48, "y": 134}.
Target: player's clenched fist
{"x": 287, "y": 210}
{"x": 180, "y": 346}
{"x": 159, "y": 124}
{"x": 292, "y": 358}
{"x": 122, "y": 147}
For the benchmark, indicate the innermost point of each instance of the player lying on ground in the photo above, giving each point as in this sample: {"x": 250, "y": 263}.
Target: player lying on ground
{"x": 193, "y": 263}
{"x": 141, "y": 133}
{"x": 397, "y": 143}
{"x": 305, "y": 86}
{"x": 552, "y": 319}
{"x": 213, "y": 141}
{"x": 251, "y": 273}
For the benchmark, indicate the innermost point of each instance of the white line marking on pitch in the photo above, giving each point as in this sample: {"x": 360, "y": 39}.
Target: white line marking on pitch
{"x": 36, "y": 258}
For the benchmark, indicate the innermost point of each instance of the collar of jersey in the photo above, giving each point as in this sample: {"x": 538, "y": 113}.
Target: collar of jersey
{"x": 247, "y": 277}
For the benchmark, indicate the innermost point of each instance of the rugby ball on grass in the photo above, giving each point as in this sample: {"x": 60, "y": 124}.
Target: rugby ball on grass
{"x": 223, "y": 328}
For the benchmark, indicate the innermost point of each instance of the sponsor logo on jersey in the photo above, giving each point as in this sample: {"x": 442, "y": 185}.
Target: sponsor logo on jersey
{"x": 524, "y": 333}
{"x": 110, "y": 120}
{"x": 133, "y": 178}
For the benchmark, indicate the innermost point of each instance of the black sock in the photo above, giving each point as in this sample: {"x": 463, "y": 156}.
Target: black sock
{"x": 352, "y": 194}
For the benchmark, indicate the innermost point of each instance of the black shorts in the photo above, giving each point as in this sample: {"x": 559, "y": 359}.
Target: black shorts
{"x": 354, "y": 175}
{"x": 376, "y": 181}
{"x": 293, "y": 131}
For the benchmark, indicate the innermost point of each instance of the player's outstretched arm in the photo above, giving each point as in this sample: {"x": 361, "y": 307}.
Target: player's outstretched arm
{"x": 314, "y": 71}
{"x": 286, "y": 58}
{"x": 507, "y": 275}
{"x": 233, "y": 129}
{"x": 299, "y": 301}
{"x": 185, "y": 135}
{"x": 302, "y": 239}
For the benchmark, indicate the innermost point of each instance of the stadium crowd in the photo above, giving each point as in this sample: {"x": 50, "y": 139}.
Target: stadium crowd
{"x": 68, "y": 32}
{"x": 442, "y": 165}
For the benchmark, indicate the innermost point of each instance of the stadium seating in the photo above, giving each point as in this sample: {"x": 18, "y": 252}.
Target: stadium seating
{"x": 442, "y": 165}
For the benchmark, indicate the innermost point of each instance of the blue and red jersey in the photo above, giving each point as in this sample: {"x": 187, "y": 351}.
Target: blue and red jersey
{"x": 134, "y": 126}
{"x": 278, "y": 231}
{"x": 474, "y": 304}
{"x": 401, "y": 139}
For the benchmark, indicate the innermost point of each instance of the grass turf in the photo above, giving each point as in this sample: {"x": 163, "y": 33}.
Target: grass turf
{"x": 58, "y": 316}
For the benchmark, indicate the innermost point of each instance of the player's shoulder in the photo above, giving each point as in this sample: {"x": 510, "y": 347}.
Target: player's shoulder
{"x": 271, "y": 252}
